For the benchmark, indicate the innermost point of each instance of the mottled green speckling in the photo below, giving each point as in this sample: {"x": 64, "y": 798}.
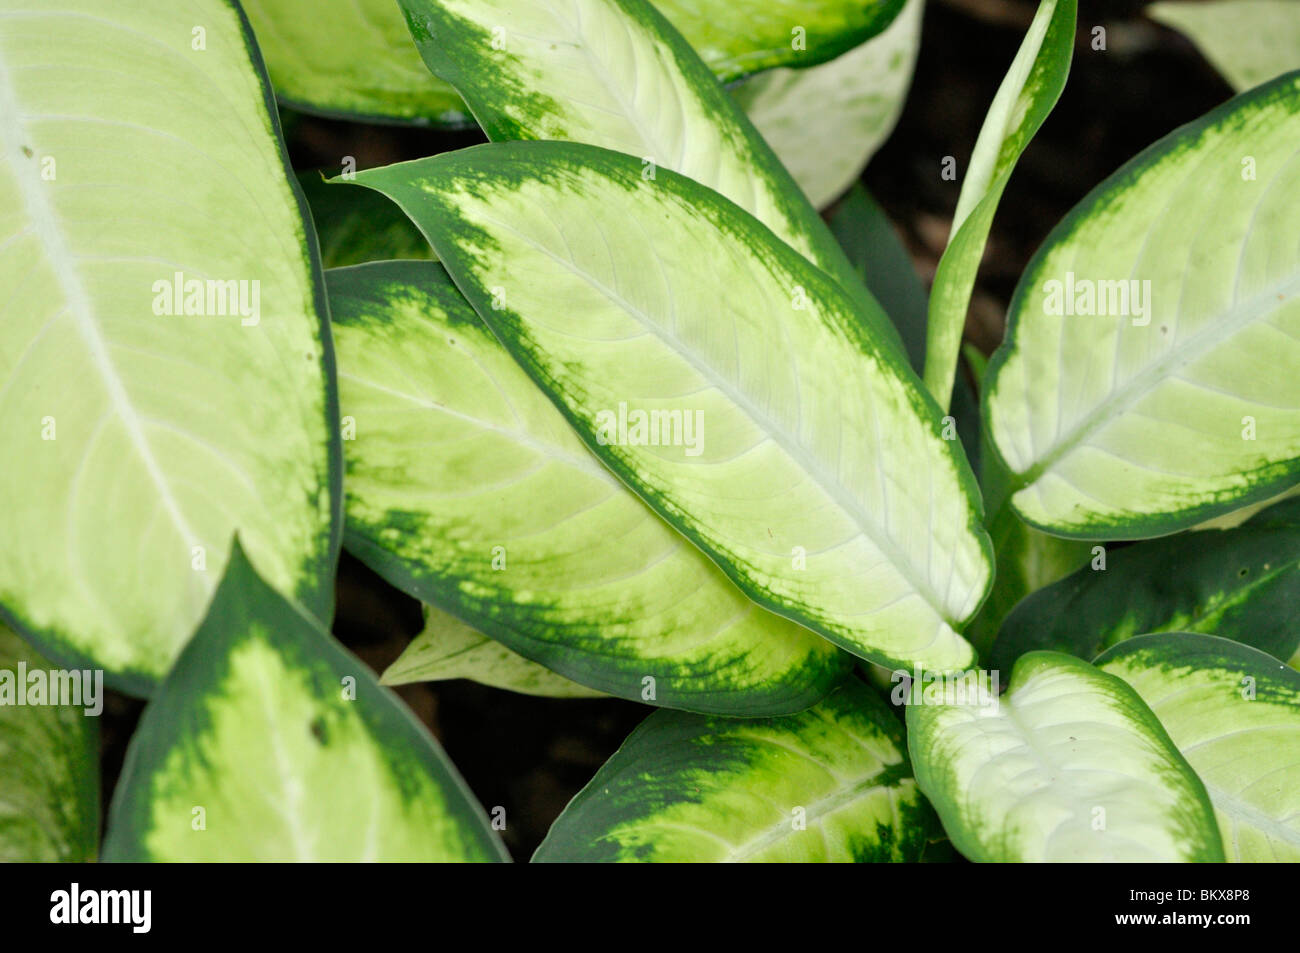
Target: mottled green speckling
{"x": 49, "y": 771}
{"x": 467, "y": 488}
{"x": 150, "y": 425}
{"x": 831, "y": 784}
{"x": 1234, "y": 713}
{"x": 268, "y": 742}
{"x": 610, "y": 290}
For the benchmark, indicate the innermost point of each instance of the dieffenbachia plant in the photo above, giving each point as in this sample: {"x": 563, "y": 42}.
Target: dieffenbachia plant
{"x": 269, "y": 742}
{"x": 168, "y": 374}
{"x": 648, "y": 428}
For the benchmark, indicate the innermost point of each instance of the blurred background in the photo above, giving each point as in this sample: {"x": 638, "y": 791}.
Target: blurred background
{"x": 531, "y": 755}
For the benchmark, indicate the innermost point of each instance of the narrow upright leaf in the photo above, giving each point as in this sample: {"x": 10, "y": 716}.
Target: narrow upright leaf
{"x": 447, "y": 648}
{"x": 350, "y": 58}
{"x": 268, "y": 742}
{"x": 1067, "y": 765}
{"x": 880, "y": 259}
{"x": 1248, "y": 41}
{"x": 825, "y": 122}
{"x": 165, "y": 369}
{"x": 615, "y": 74}
{"x": 1148, "y": 380}
{"x": 831, "y": 784}
{"x": 49, "y": 759}
{"x": 466, "y": 488}
{"x": 797, "y": 451}
{"x": 1023, "y": 101}
{"x": 1234, "y": 713}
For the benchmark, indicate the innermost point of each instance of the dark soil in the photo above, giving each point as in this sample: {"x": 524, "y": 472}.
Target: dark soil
{"x": 531, "y": 755}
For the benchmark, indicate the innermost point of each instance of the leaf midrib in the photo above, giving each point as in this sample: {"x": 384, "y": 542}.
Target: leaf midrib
{"x": 808, "y": 463}
{"x": 49, "y": 231}
{"x": 587, "y": 464}
{"x": 819, "y": 809}
{"x": 1179, "y": 356}
{"x": 1240, "y": 810}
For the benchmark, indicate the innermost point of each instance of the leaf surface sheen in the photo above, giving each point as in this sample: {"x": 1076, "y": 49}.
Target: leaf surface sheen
{"x": 144, "y": 426}
{"x": 1147, "y": 419}
{"x": 468, "y": 489}
{"x": 804, "y": 488}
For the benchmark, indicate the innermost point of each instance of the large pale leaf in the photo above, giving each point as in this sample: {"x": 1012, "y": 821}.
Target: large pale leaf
{"x": 1023, "y": 101}
{"x": 1184, "y": 403}
{"x": 49, "y": 760}
{"x": 1234, "y": 713}
{"x": 1241, "y": 584}
{"x": 447, "y": 648}
{"x": 831, "y": 784}
{"x": 817, "y": 477}
{"x": 615, "y": 74}
{"x": 268, "y": 742}
{"x": 467, "y": 488}
{"x": 1248, "y": 41}
{"x": 825, "y": 122}
{"x": 1067, "y": 765}
{"x": 135, "y": 442}
{"x": 350, "y": 58}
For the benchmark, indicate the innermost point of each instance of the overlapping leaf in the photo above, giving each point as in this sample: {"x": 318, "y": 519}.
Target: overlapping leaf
{"x": 355, "y": 58}
{"x": 615, "y": 74}
{"x": 739, "y": 37}
{"x": 351, "y": 58}
{"x": 1234, "y": 713}
{"x": 825, "y": 122}
{"x": 467, "y": 489}
{"x": 788, "y": 443}
{"x": 1147, "y": 381}
{"x": 165, "y": 369}
{"x": 1241, "y": 584}
{"x": 1248, "y": 41}
{"x": 881, "y": 260}
{"x": 1067, "y": 765}
{"x": 447, "y": 648}
{"x": 355, "y": 226}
